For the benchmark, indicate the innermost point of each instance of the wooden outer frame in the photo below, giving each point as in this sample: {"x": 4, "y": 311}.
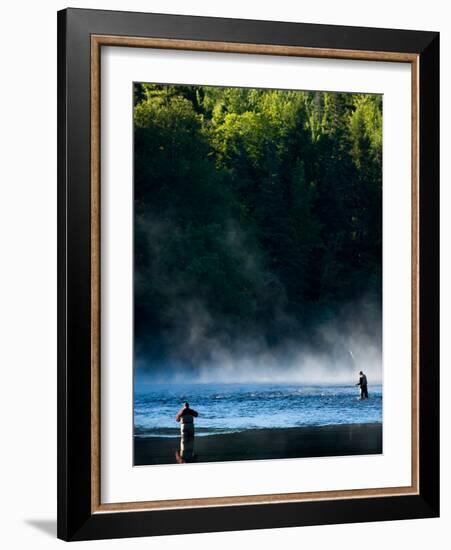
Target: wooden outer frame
{"x": 81, "y": 515}
{"x": 97, "y": 41}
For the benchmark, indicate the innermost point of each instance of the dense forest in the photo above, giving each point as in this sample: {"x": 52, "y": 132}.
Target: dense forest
{"x": 258, "y": 215}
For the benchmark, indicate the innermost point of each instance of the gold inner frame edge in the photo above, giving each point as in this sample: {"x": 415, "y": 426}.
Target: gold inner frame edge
{"x": 97, "y": 41}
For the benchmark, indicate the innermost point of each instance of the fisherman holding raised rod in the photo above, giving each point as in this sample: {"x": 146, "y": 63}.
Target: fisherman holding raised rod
{"x": 363, "y": 383}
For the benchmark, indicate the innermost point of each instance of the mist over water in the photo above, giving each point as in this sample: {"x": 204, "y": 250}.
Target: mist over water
{"x": 190, "y": 339}
{"x": 301, "y": 369}
{"x": 331, "y": 353}
{"x": 239, "y": 384}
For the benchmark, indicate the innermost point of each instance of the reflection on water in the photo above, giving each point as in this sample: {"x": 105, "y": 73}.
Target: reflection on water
{"x": 186, "y": 453}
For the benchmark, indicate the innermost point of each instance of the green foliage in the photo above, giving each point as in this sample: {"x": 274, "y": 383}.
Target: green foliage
{"x": 253, "y": 203}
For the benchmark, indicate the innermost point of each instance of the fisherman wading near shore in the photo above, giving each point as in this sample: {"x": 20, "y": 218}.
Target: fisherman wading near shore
{"x": 186, "y": 418}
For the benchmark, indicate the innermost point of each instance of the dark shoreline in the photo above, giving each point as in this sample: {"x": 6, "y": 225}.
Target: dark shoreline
{"x": 314, "y": 441}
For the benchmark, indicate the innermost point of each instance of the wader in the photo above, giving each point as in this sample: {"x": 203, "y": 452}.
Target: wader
{"x": 187, "y": 426}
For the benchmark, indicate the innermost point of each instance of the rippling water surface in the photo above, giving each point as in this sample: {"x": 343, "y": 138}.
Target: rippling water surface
{"x": 229, "y": 408}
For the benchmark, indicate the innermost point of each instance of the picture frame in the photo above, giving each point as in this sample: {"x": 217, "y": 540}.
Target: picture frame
{"x": 81, "y": 36}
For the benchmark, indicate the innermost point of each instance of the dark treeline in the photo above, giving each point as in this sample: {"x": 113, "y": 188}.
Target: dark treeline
{"x": 257, "y": 214}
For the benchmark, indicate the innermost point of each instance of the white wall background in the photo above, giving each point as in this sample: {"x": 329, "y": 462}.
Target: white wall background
{"x": 28, "y": 271}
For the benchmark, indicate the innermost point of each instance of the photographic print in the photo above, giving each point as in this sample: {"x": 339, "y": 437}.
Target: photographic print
{"x": 257, "y": 274}
{"x": 229, "y": 300}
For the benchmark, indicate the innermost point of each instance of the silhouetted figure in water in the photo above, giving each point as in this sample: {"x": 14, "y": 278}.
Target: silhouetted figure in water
{"x": 186, "y": 418}
{"x": 363, "y": 383}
